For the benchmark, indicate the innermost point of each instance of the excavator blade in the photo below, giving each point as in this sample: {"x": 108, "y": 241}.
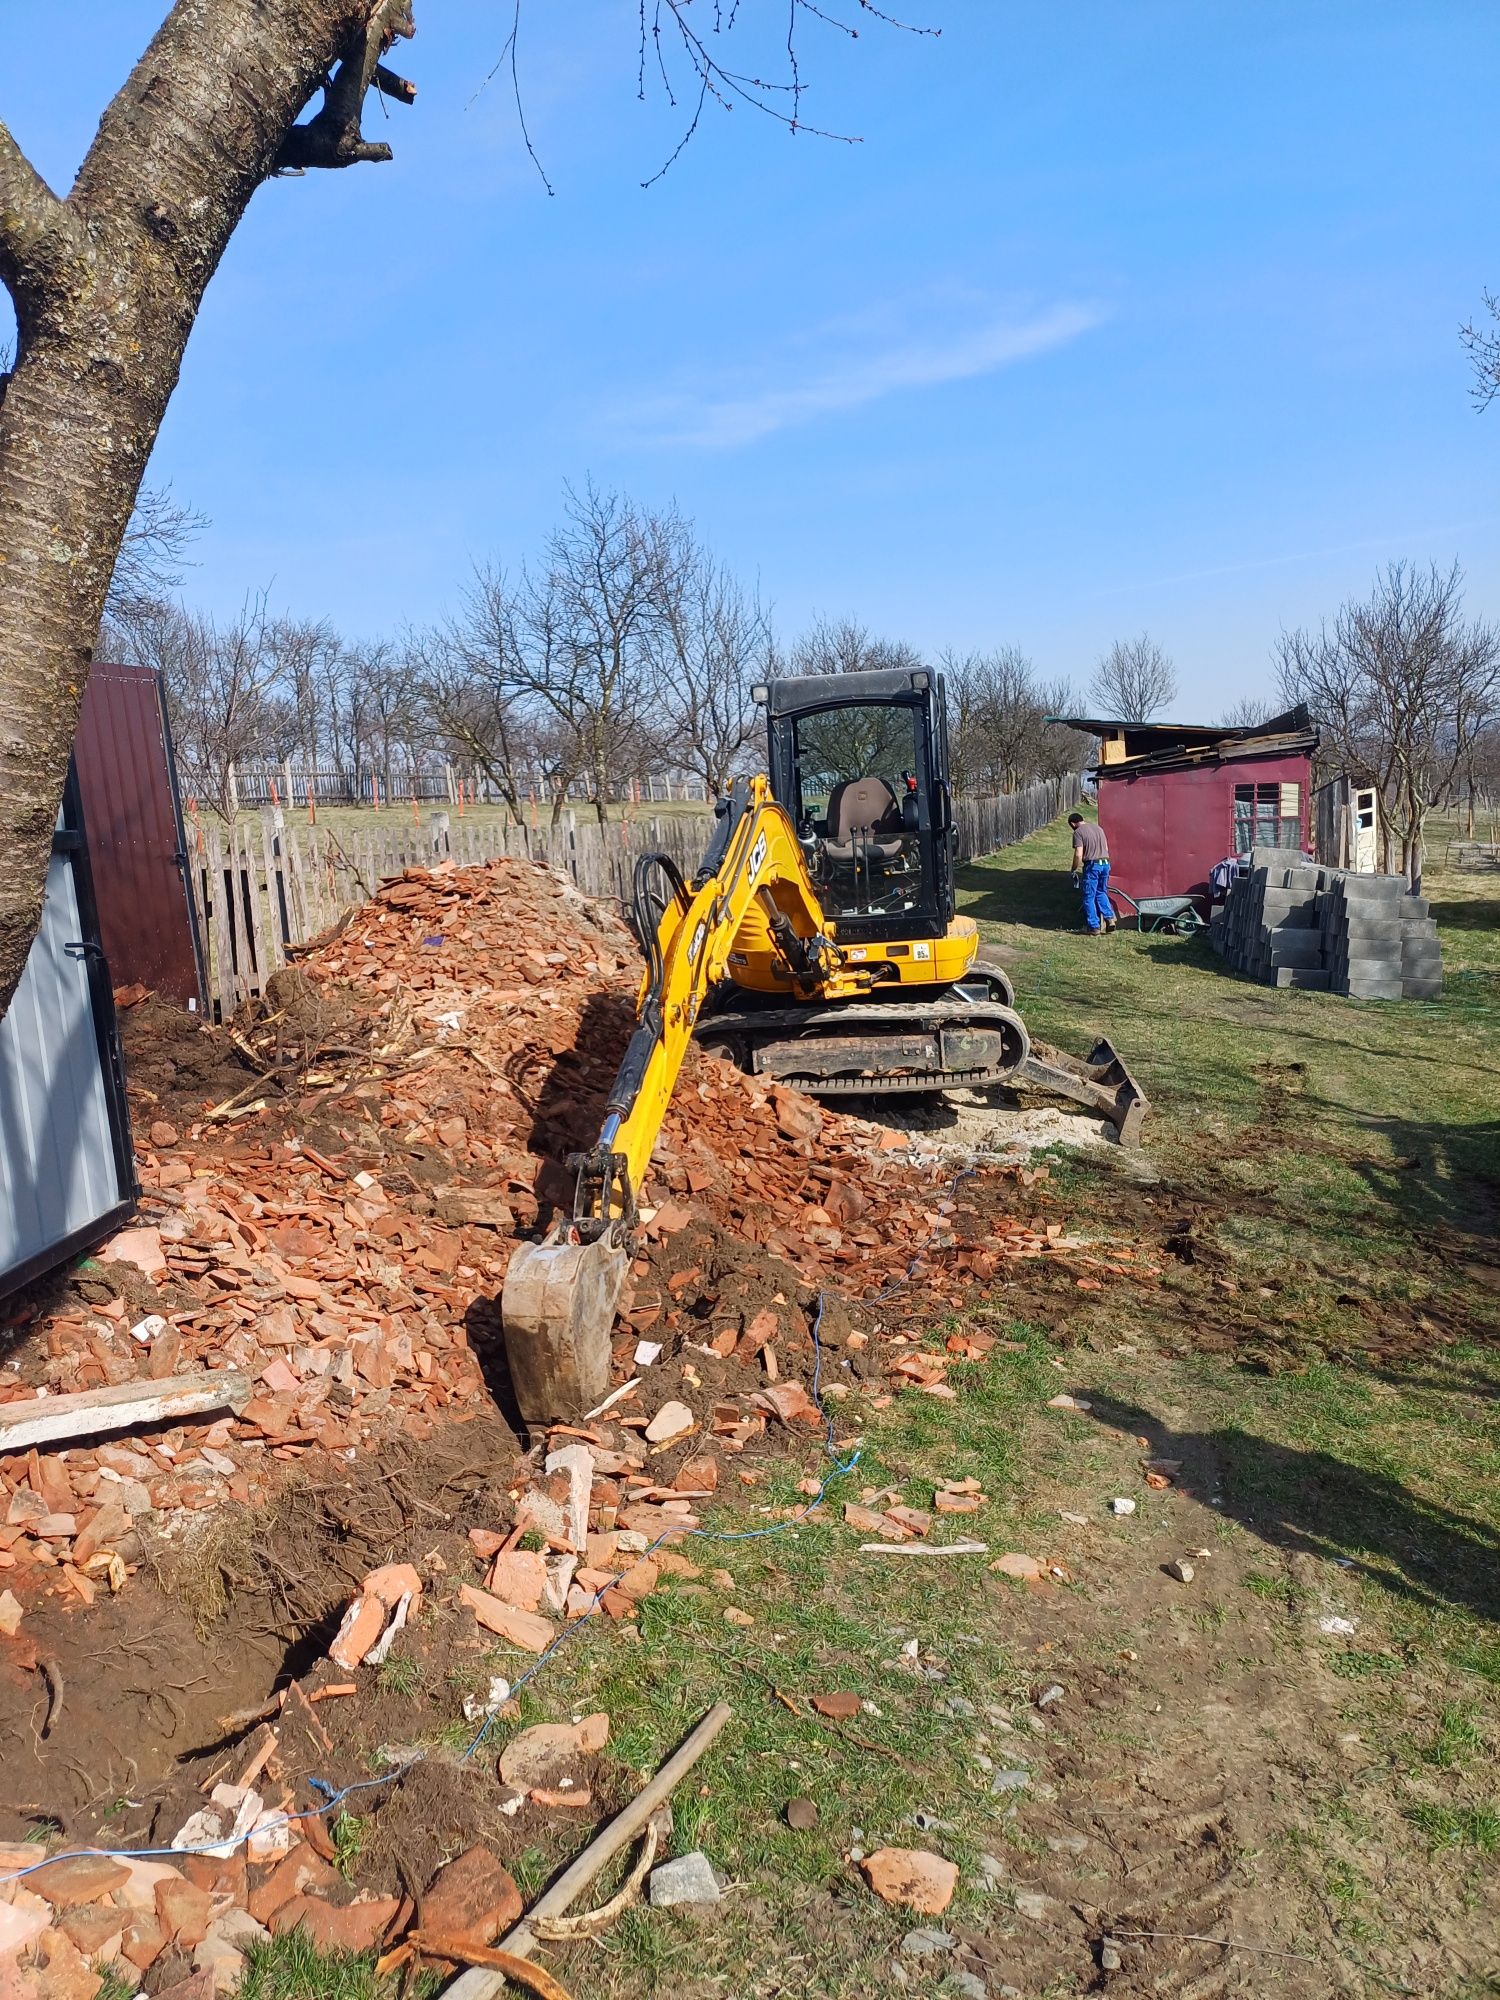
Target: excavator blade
{"x": 861, "y": 1048}
{"x": 1104, "y": 1083}
{"x": 558, "y": 1306}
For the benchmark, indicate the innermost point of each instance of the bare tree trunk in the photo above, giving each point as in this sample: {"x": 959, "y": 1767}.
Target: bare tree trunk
{"x": 106, "y": 286}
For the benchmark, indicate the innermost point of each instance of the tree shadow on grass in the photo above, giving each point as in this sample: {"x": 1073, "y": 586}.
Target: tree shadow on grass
{"x": 1309, "y": 1502}
{"x": 1041, "y": 898}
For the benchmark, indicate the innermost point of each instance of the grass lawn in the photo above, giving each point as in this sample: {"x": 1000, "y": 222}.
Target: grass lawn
{"x": 1277, "y": 1776}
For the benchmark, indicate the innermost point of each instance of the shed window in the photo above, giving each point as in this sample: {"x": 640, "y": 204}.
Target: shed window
{"x": 1267, "y": 815}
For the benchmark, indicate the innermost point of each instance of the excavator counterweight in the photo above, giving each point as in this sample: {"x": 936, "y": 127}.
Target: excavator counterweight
{"x": 817, "y": 944}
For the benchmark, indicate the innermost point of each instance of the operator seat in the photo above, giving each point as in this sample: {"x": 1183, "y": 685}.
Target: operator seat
{"x": 863, "y": 816}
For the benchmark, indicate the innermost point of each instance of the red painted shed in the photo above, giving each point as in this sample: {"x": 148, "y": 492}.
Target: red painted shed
{"x": 1177, "y": 798}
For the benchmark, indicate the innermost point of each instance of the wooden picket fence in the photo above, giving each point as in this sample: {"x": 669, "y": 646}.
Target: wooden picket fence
{"x": 262, "y": 890}
{"x": 988, "y": 824}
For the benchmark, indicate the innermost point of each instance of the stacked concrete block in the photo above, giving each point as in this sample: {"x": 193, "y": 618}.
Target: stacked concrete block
{"x": 1421, "y": 953}
{"x": 1362, "y": 935}
{"x": 1269, "y": 926}
{"x": 1290, "y": 923}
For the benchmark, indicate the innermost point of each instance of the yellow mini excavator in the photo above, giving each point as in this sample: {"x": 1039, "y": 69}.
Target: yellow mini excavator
{"x": 816, "y": 945}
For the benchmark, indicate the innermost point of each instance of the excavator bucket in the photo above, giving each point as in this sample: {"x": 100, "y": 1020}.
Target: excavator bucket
{"x": 1104, "y": 1083}
{"x": 558, "y": 1307}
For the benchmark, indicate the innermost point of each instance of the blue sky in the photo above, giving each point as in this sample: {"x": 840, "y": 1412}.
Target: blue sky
{"x": 1124, "y": 314}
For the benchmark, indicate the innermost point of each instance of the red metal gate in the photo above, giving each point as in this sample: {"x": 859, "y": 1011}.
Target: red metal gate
{"x": 132, "y": 816}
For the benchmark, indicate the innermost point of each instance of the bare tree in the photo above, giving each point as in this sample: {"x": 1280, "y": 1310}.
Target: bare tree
{"x": 999, "y": 733}
{"x": 1482, "y": 343}
{"x": 366, "y": 702}
{"x": 590, "y": 624}
{"x": 1248, "y": 713}
{"x": 390, "y": 712}
{"x": 153, "y": 554}
{"x": 845, "y": 646}
{"x": 466, "y": 675}
{"x": 1134, "y": 680}
{"x": 1403, "y": 689}
{"x": 307, "y": 665}
{"x": 220, "y": 683}
{"x": 711, "y": 645}
{"x": 1481, "y": 773}
{"x": 106, "y": 285}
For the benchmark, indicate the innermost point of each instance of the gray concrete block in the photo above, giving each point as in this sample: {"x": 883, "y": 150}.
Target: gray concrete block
{"x": 1366, "y": 895}
{"x": 1374, "y": 989}
{"x": 1421, "y": 988}
{"x": 1294, "y": 947}
{"x": 1373, "y": 929}
{"x": 1313, "y": 978}
{"x": 1373, "y": 965}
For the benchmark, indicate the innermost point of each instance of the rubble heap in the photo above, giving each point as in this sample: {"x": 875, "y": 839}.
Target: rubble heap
{"x": 340, "y": 1236}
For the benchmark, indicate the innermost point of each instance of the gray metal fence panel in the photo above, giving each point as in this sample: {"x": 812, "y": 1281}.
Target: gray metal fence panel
{"x": 65, "y": 1174}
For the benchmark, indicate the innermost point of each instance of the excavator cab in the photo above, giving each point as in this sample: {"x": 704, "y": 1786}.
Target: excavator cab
{"x": 859, "y": 762}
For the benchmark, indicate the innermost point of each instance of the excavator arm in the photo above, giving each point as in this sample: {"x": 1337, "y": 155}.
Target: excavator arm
{"x": 752, "y": 888}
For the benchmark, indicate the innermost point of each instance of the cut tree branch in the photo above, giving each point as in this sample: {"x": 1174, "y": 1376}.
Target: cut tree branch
{"x": 333, "y": 137}
{"x": 389, "y": 84}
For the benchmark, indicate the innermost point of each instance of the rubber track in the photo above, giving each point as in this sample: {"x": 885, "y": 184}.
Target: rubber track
{"x": 855, "y": 1086}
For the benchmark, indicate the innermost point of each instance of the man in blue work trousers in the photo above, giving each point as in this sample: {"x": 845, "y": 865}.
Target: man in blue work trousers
{"x": 1091, "y": 872}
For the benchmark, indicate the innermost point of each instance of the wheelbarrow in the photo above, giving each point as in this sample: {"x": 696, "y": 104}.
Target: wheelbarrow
{"x": 1177, "y": 915}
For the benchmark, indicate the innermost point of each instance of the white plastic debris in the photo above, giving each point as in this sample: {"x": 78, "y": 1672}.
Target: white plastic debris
{"x": 1121, "y": 1505}
{"x": 146, "y": 1330}
{"x": 647, "y": 1351}
{"x": 1339, "y": 1628}
{"x": 494, "y": 1700}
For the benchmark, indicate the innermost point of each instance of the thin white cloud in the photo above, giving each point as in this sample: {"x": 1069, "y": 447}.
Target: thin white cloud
{"x": 720, "y": 422}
